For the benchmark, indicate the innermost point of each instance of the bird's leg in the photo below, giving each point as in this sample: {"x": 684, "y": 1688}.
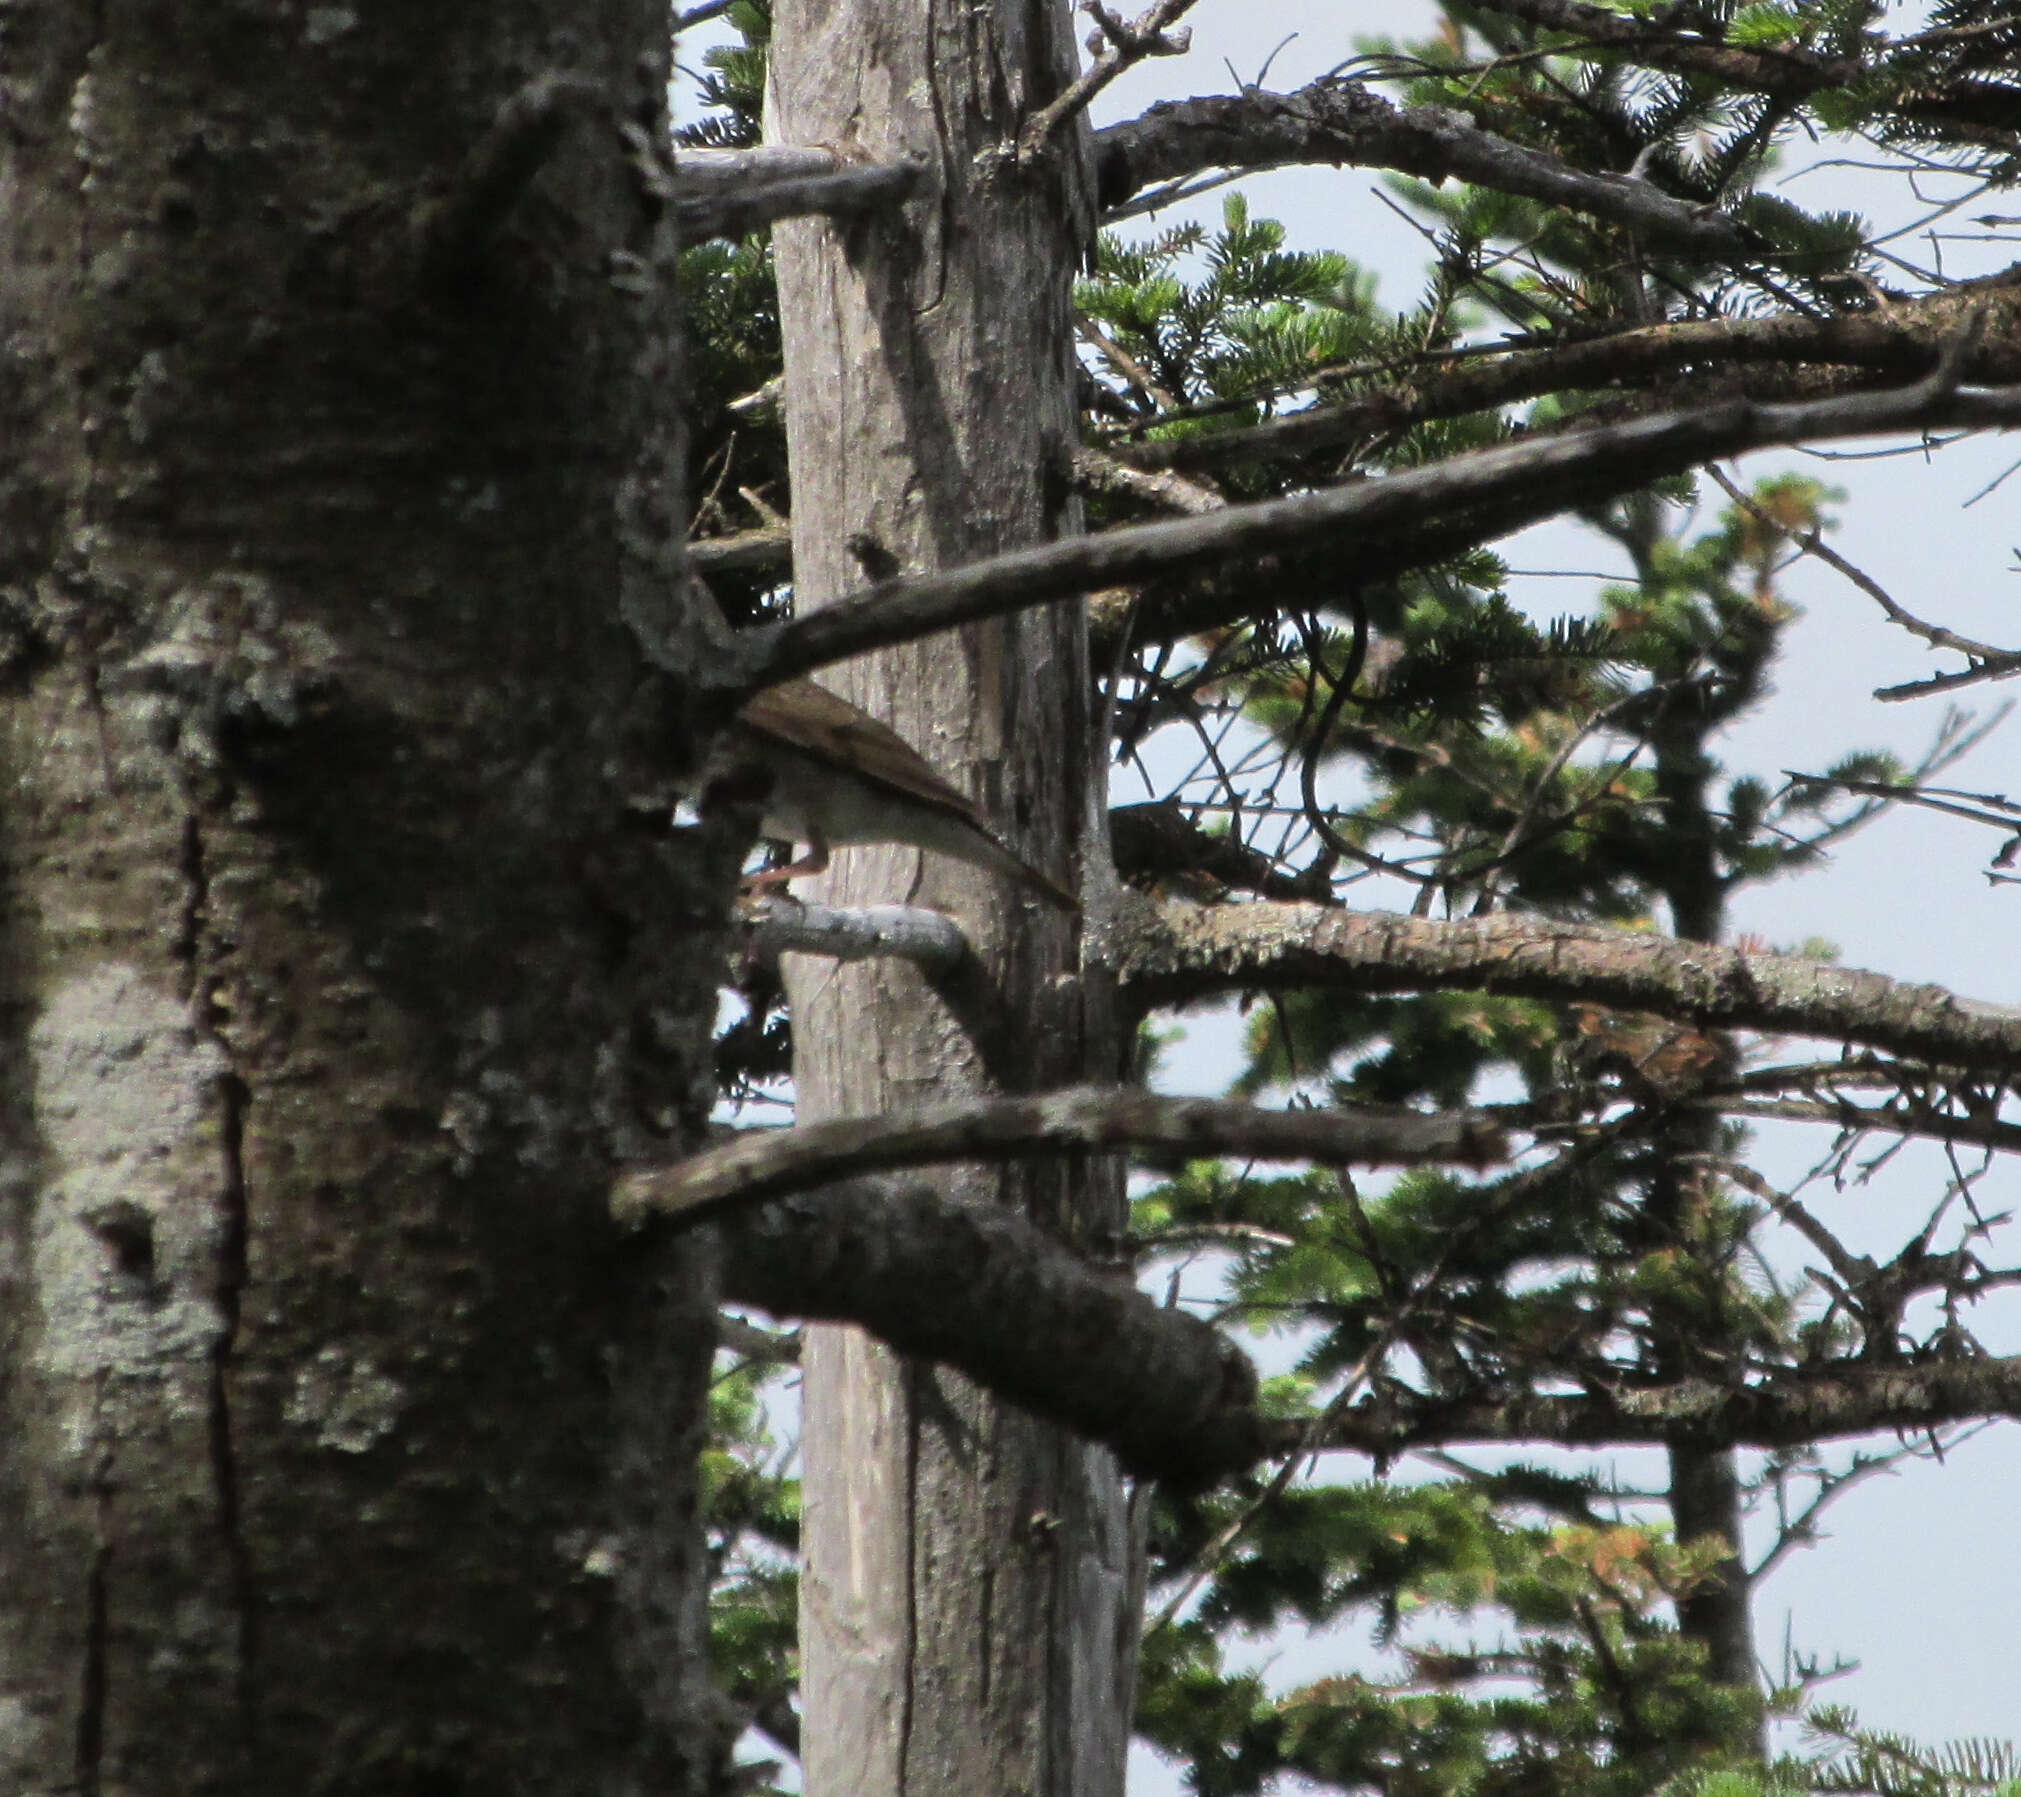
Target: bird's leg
{"x": 772, "y": 881}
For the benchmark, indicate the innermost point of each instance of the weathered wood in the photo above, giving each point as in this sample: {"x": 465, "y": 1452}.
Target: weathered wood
{"x": 966, "y": 1582}
{"x": 763, "y": 1163}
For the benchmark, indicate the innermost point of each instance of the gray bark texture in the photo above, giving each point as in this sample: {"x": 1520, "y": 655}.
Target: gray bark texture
{"x": 967, "y": 1621}
{"x": 339, "y": 1450}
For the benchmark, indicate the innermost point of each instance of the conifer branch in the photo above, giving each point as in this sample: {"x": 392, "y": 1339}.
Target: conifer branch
{"x": 1341, "y": 122}
{"x": 1896, "y": 340}
{"x": 1782, "y": 1409}
{"x": 1390, "y": 523}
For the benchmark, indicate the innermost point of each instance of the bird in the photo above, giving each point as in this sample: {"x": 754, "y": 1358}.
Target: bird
{"x": 835, "y": 775}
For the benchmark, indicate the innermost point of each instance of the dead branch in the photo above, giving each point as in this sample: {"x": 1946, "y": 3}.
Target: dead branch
{"x": 1078, "y": 1120}
{"x": 784, "y": 926}
{"x": 1391, "y": 523}
{"x": 1118, "y": 45}
{"x": 726, "y": 193}
{"x": 1338, "y": 121}
{"x": 452, "y": 232}
{"x": 1166, "y": 952}
{"x": 987, "y": 1292}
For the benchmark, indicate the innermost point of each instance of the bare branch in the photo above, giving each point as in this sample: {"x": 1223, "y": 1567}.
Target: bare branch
{"x": 1893, "y": 1120}
{"x": 988, "y": 1292}
{"x": 767, "y": 551}
{"x": 1158, "y": 839}
{"x": 1120, "y": 45}
{"x": 1392, "y": 523}
{"x": 1078, "y": 1120}
{"x": 785, "y": 926}
{"x": 1341, "y": 122}
{"x": 748, "y": 1342}
{"x": 725, "y": 193}
{"x": 1096, "y": 473}
{"x": 1172, "y": 951}
{"x": 1988, "y": 661}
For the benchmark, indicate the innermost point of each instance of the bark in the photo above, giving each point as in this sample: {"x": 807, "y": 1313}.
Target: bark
{"x": 1016, "y": 1310}
{"x": 1174, "y": 951}
{"x": 966, "y": 1613}
{"x": 341, "y": 1453}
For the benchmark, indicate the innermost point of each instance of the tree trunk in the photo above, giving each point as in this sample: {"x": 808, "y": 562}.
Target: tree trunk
{"x": 1705, "y": 1484}
{"x": 966, "y": 1622}
{"x": 339, "y": 1452}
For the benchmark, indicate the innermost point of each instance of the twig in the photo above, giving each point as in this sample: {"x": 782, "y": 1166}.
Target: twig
{"x": 1119, "y": 44}
{"x": 1812, "y": 543}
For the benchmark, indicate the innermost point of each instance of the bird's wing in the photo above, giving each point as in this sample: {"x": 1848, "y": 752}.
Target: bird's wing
{"x": 814, "y": 722}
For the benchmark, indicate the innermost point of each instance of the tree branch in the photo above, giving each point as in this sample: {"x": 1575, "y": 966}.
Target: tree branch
{"x": 1982, "y": 111}
{"x": 1174, "y": 951}
{"x": 1120, "y": 45}
{"x": 1078, "y": 1120}
{"x": 1337, "y": 121}
{"x": 1784, "y": 1409}
{"x": 930, "y": 939}
{"x": 451, "y": 233}
{"x": 1903, "y": 338}
{"x": 987, "y": 1292}
{"x": 1392, "y": 523}
{"x": 1782, "y": 71}
{"x": 725, "y": 193}
{"x": 768, "y": 550}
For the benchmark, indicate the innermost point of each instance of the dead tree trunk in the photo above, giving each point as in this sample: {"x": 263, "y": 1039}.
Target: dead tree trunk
{"x": 965, "y": 1621}
{"x": 339, "y": 1452}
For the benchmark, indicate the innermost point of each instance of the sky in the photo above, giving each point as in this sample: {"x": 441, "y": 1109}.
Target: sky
{"x": 1919, "y": 1578}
